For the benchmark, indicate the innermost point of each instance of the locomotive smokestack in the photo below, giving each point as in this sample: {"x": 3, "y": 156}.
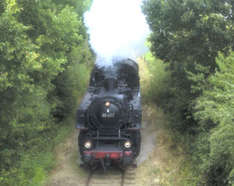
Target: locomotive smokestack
{"x": 110, "y": 84}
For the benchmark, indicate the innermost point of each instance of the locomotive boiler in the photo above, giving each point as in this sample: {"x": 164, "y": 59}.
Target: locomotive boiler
{"x": 109, "y": 117}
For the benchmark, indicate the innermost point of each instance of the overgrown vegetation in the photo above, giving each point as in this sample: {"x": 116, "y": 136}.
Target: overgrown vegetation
{"x": 44, "y": 66}
{"x": 194, "y": 38}
{"x": 158, "y": 82}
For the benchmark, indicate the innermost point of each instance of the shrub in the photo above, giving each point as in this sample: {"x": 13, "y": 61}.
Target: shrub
{"x": 213, "y": 111}
{"x": 159, "y": 79}
{"x": 44, "y": 66}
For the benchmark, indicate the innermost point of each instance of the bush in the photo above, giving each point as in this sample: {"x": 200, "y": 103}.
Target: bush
{"x": 189, "y": 35}
{"x": 213, "y": 111}
{"x": 159, "y": 75}
{"x": 45, "y": 62}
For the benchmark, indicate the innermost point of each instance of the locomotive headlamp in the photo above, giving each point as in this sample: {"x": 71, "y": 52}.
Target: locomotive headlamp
{"x": 127, "y": 144}
{"x": 88, "y": 144}
{"x": 107, "y": 104}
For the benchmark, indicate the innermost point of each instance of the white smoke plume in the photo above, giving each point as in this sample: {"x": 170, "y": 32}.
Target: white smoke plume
{"x": 117, "y": 29}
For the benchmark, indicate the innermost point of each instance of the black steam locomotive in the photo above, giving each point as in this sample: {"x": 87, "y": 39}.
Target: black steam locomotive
{"x": 109, "y": 117}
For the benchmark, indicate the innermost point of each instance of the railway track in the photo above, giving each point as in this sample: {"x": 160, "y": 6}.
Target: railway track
{"x": 112, "y": 177}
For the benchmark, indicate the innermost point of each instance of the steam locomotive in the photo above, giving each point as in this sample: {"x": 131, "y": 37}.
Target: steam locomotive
{"x": 109, "y": 117}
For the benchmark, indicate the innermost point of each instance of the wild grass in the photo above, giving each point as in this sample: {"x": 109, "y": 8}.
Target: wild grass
{"x": 169, "y": 164}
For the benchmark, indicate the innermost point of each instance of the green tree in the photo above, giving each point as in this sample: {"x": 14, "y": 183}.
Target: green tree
{"x": 189, "y": 35}
{"x": 215, "y": 144}
{"x": 44, "y": 65}
{"x": 186, "y": 33}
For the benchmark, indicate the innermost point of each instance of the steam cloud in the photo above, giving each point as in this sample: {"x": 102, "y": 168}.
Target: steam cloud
{"x": 117, "y": 29}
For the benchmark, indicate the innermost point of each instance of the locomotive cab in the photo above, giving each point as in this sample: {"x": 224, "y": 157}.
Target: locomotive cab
{"x": 109, "y": 117}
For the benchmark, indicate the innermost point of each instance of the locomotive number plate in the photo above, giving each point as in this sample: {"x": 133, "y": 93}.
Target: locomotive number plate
{"x": 108, "y": 115}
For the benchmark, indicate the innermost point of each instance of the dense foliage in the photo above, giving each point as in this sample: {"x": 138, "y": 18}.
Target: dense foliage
{"x": 213, "y": 111}
{"x": 44, "y": 59}
{"x": 159, "y": 80}
{"x": 188, "y": 35}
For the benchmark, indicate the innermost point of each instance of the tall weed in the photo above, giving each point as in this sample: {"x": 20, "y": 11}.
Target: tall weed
{"x": 159, "y": 79}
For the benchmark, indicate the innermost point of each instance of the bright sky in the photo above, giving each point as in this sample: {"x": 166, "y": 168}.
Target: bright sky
{"x": 117, "y": 28}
